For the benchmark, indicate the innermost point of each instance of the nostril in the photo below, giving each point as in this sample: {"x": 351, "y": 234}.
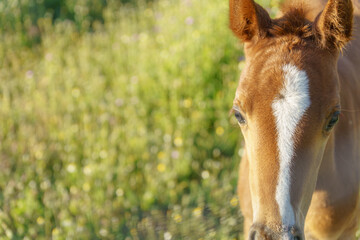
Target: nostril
{"x": 252, "y": 235}
{"x": 256, "y": 235}
{"x": 296, "y": 235}
{"x": 262, "y": 232}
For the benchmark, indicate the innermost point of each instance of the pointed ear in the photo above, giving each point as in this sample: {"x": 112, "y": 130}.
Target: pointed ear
{"x": 248, "y": 19}
{"x": 333, "y": 26}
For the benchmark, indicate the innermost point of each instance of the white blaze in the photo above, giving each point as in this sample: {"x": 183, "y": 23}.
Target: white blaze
{"x": 288, "y": 109}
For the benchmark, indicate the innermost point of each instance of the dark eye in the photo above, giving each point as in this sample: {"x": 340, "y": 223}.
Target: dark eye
{"x": 240, "y": 118}
{"x": 333, "y": 120}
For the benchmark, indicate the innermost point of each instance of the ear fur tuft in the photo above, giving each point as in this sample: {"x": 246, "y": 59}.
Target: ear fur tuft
{"x": 333, "y": 26}
{"x": 248, "y": 20}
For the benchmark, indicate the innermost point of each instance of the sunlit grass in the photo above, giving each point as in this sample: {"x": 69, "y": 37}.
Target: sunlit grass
{"x": 124, "y": 132}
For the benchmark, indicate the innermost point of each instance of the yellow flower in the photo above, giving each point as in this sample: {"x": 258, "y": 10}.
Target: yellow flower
{"x": 178, "y": 141}
{"x": 161, "y": 155}
{"x": 133, "y": 231}
{"x": 161, "y": 167}
{"x": 86, "y": 187}
{"x": 177, "y": 218}
{"x": 219, "y": 131}
{"x": 234, "y": 202}
{"x": 39, "y": 154}
{"x": 55, "y": 231}
{"x": 40, "y": 220}
{"x": 197, "y": 212}
{"x": 74, "y": 190}
{"x": 187, "y": 103}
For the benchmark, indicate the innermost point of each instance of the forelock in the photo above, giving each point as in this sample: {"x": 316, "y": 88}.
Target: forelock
{"x": 294, "y": 22}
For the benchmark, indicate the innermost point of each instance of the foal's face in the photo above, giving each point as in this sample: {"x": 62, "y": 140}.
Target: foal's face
{"x": 287, "y": 104}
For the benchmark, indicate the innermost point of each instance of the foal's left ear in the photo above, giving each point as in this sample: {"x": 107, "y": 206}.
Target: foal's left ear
{"x": 334, "y": 25}
{"x": 248, "y": 20}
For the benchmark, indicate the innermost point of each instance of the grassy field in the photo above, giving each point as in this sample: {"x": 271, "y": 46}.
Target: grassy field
{"x": 122, "y": 131}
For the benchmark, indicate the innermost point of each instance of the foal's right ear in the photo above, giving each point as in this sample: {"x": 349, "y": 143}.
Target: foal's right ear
{"x": 248, "y": 19}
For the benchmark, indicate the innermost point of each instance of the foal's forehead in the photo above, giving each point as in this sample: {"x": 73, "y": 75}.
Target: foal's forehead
{"x": 262, "y": 80}
{"x": 271, "y": 63}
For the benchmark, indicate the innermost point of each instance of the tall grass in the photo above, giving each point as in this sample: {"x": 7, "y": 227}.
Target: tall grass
{"x": 124, "y": 132}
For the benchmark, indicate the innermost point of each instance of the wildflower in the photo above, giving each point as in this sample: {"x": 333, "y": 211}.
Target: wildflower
{"x": 178, "y": 141}
{"x": 216, "y": 152}
{"x": 86, "y": 187}
{"x": 39, "y": 154}
{"x": 197, "y": 212}
{"x": 119, "y": 192}
{"x": 177, "y": 218}
{"x": 167, "y": 138}
{"x": 189, "y": 21}
{"x": 71, "y": 168}
{"x": 87, "y": 170}
{"x": 103, "y": 232}
{"x": 161, "y": 155}
{"x": 74, "y": 190}
{"x": 103, "y": 154}
{"x": 45, "y": 184}
{"x": 133, "y": 231}
{"x": 175, "y": 154}
{"x": 187, "y": 103}
{"x": 29, "y": 74}
{"x": 161, "y": 167}
{"x": 55, "y": 231}
{"x": 205, "y": 174}
{"x": 219, "y": 131}
{"x": 167, "y": 236}
{"x": 234, "y": 202}
{"x": 40, "y": 220}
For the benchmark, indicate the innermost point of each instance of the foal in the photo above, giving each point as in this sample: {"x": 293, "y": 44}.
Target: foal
{"x": 299, "y": 177}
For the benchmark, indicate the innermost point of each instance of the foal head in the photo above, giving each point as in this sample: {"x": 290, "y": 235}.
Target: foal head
{"x": 287, "y": 103}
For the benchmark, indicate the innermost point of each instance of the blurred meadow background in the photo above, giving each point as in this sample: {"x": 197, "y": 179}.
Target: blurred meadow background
{"x": 114, "y": 119}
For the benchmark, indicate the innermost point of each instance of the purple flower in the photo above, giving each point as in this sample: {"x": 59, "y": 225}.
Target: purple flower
{"x": 189, "y": 21}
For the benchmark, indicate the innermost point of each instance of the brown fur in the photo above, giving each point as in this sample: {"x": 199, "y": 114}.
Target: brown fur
{"x": 326, "y": 167}
{"x": 331, "y": 29}
{"x": 333, "y": 26}
{"x": 248, "y": 19}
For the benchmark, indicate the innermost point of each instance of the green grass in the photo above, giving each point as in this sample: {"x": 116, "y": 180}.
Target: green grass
{"x": 122, "y": 132}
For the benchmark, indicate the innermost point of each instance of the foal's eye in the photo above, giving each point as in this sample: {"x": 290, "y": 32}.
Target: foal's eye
{"x": 333, "y": 120}
{"x": 240, "y": 118}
